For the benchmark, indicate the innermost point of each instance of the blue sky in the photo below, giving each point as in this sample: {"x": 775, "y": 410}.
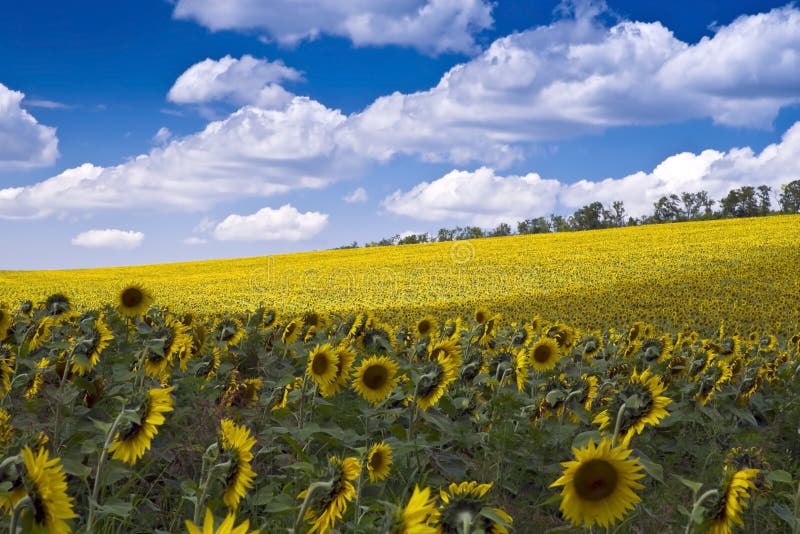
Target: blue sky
{"x": 162, "y": 131}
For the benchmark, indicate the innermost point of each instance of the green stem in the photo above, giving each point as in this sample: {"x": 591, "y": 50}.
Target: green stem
{"x": 303, "y": 402}
{"x": 96, "y": 488}
{"x": 23, "y": 503}
{"x": 307, "y": 502}
{"x": 696, "y": 505}
{"x": 796, "y": 527}
{"x": 204, "y": 490}
{"x": 466, "y": 523}
{"x": 617, "y": 425}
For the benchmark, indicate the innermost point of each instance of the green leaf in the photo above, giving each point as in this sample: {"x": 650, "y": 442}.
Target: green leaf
{"x": 785, "y": 514}
{"x": 114, "y": 506}
{"x": 74, "y": 467}
{"x": 691, "y": 484}
{"x": 491, "y": 514}
{"x": 582, "y": 439}
{"x": 653, "y": 469}
{"x": 780, "y": 476}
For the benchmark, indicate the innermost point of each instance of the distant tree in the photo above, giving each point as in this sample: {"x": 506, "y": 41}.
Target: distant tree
{"x": 502, "y": 230}
{"x": 764, "y": 201}
{"x": 445, "y": 234}
{"x": 588, "y": 217}
{"x": 615, "y": 216}
{"x": 667, "y": 209}
{"x": 559, "y": 224}
{"x": 741, "y": 202}
{"x": 790, "y": 197}
{"x": 413, "y": 239}
{"x": 538, "y": 225}
{"x": 470, "y": 232}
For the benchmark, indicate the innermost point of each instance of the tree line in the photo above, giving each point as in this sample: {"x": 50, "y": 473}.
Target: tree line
{"x": 746, "y": 201}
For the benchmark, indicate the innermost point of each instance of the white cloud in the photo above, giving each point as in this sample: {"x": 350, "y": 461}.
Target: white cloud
{"x": 485, "y": 199}
{"x": 428, "y": 25}
{"x": 46, "y": 104}
{"x": 195, "y": 241}
{"x": 267, "y": 224}
{"x": 253, "y": 152}
{"x": 359, "y": 195}
{"x": 577, "y": 77}
{"x": 117, "y": 239}
{"x": 24, "y": 143}
{"x": 480, "y": 197}
{"x": 239, "y": 81}
{"x": 162, "y": 135}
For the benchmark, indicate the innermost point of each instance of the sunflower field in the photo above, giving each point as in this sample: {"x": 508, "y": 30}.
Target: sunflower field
{"x": 616, "y": 381}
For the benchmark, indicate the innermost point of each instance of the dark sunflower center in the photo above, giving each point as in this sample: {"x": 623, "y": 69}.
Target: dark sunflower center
{"x": 595, "y": 480}
{"x": 424, "y": 327}
{"x": 320, "y": 364}
{"x": 132, "y": 297}
{"x": 430, "y": 381}
{"x": 542, "y": 354}
{"x": 375, "y": 377}
{"x": 376, "y": 461}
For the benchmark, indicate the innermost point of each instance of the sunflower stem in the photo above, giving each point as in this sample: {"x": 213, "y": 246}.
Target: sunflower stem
{"x": 302, "y": 403}
{"x": 796, "y": 527}
{"x": 23, "y": 503}
{"x": 307, "y": 502}
{"x": 96, "y": 487}
{"x": 209, "y": 455}
{"x": 707, "y": 495}
{"x": 617, "y": 425}
{"x": 57, "y": 422}
{"x": 198, "y": 506}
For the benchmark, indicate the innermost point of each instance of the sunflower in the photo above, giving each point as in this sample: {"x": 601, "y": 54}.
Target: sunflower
{"x": 425, "y": 327}
{"x": 6, "y": 430}
{"x": 436, "y": 378}
{"x": 585, "y": 391}
{"x": 46, "y": 485}
{"x": 228, "y": 332}
{"x": 448, "y": 349}
{"x": 269, "y": 317}
{"x": 95, "y": 338}
{"x": 727, "y": 508}
{"x": 330, "y": 506}
{"x": 284, "y": 393}
{"x": 487, "y": 330}
{"x": 323, "y": 364}
{"x": 591, "y": 346}
{"x": 565, "y": 336}
{"x": 36, "y": 379}
{"x": 522, "y": 334}
{"x": 544, "y": 355}
{"x": 236, "y": 443}
{"x": 132, "y": 442}
{"x": 751, "y": 381}
{"x": 226, "y": 527}
{"x": 167, "y": 340}
{"x": 5, "y": 321}
{"x": 481, "y": 315}
{"x": 375, "y": 378}
{"x": 655, "y": 349}
{"x": 133, "y": 300}
{"x": 750, "y": 458}
{"x": 208, "y": 367}
{"x": 379, "y": 461}
{"x": 644, "y": 405}
{"x": 419, "y": 516}
{"x": 346, "y": 359}
{"x": 712, "y": 380}
{"x": 290, "y": 332}
{"x": 43, "y": 333}
{"x": 467, "y": 500}
{"x": 598, "y": 485}
{"x": 57, "y": 305}
{"x": 6, "y": 368}
{"x": 241, "y": 393}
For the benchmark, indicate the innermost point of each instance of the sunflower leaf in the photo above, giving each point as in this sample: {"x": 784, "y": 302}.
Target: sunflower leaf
{"x": 691, "y": 484}
{"x": 780, "y": 476}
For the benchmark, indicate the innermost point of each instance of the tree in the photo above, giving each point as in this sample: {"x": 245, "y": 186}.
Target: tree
{"x": 445, "y": 234}
{"x": 413, "y": 239}
{"x": 502, "y": 230}
{"x": 790, "y": 197}
{"x": 538, "y": 225}
{"x": 667, "y": 209}
{"x": 559, "y": 223}
{"x": 740, "y": 202}
{"x": 587, "y": 217}
{"x": 614, "y": 217}
{"x": 764, "y": 202}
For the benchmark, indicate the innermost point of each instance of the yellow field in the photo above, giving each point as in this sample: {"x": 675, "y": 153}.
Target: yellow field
{"x": 743, "y": 272}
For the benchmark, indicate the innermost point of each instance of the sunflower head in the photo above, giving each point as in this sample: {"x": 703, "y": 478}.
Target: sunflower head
{"x": 434, "y": 381}
{"x": 425, "y": 327}
{"x": 323, "y": 365}
{"x": 379, "y": 461}
{"x": 544, "y": 355}
{"x": 133, "y": 300}
{"x": 375, "y": 378}
{"x": 5, "y": 321}
{"x": 57, "y": 304}
{"x": 226, "y": 527}
{"x": 643, "y": 405}
{"x": 420, "y": 515}
{"x": 564, "y": 336}
{"x": 482, "y": 315}
{"x": 46, "y": 485}
{"x": 598, "y": 485}
{"x": 463, "y": 503}
{"x": 236, "y": 444}
{"x": 725, "y": 510}
{"x": 290, "y": 332}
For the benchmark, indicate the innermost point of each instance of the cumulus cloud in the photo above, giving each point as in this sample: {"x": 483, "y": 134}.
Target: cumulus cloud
{"x": 195, "y": 241}
{"x": 429, "y": 25}
{"x": 359, "y": 195}
{"x": 117, "y": 239}
{"x": 484, "y": 198}
{"x": 24, "y": 143}
{"x": 576, "y": 77}
{"x": 253, "y": 152}
{"x": 239, "y": 81}
{"x": 267, "y": 224}
{"x": 162, "y": 135}
{"x": 480, "y": 197}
